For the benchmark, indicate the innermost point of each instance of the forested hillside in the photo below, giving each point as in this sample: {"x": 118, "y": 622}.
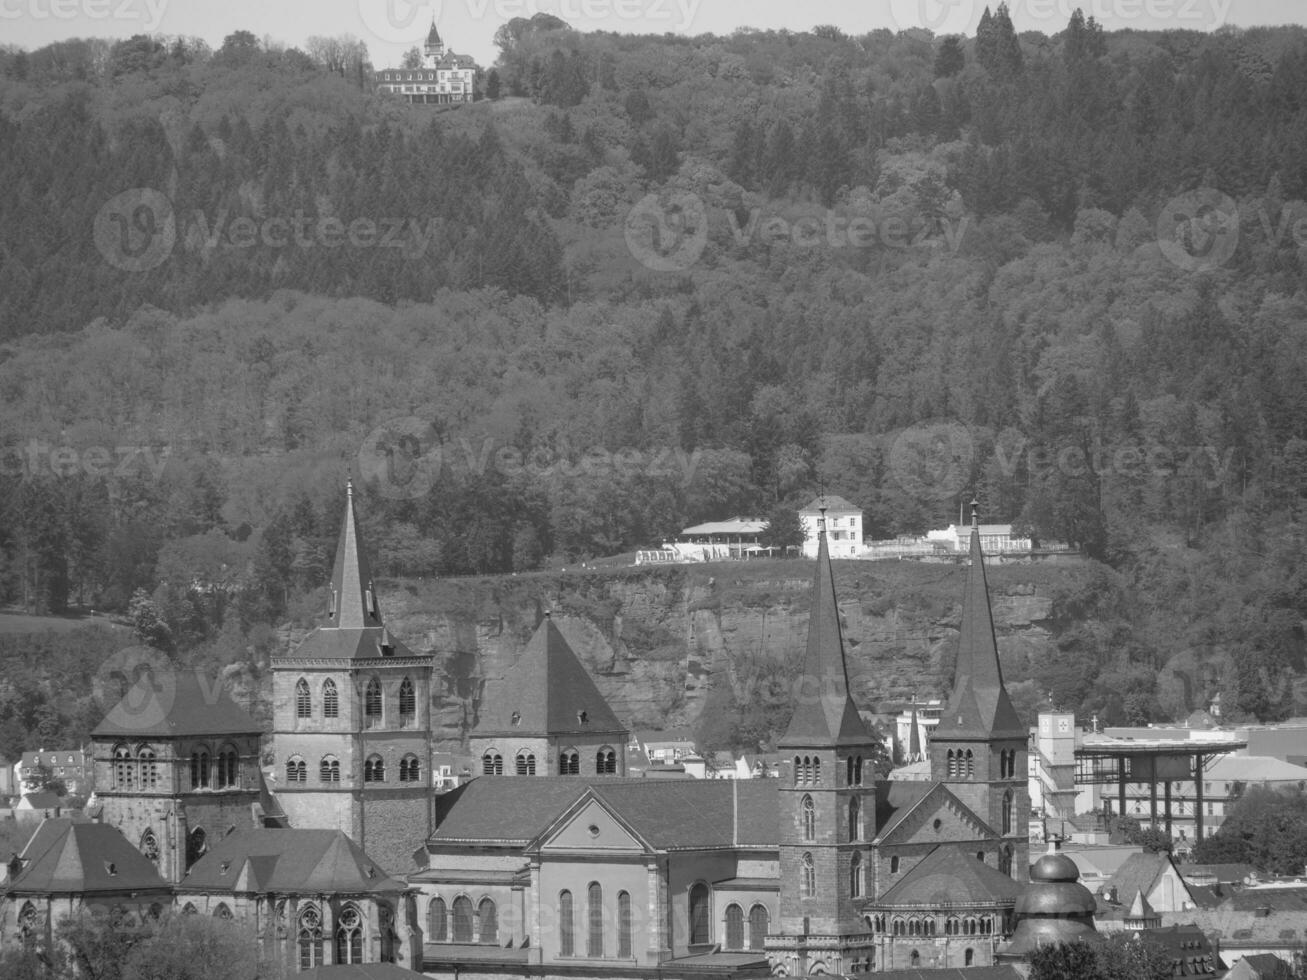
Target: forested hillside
{"x": 1064, "y": 274}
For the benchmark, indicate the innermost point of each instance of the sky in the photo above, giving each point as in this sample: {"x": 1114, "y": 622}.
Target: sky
{"x": 390, "y": 27}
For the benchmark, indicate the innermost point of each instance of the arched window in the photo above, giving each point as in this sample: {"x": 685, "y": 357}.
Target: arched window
{"x": 349, "y": 936}
{"x": 915, "y": 959}
{"x": 569, "y": 763}
{"x": 968, "y": 957}
{"x": 952, "y": 764}
{"x": 407, "y": 703}
{"x": 296, "y": 770}
{"x": 410, "y": 770}
{"x": 196, "y": 844}
{"x": 189, "y": 909}
{"x": 526, "y": 764}
{"x": 759, "y": 924}
{"x": 894, "y": 865}
{"x": 699, "y": 914}
{"x": 29, "y": 924}
{"x": 848, "y": 774}
{"x": 808, "y": 877}
{"x": 330, "y": 699}
{"x": 855, "y": 818}
{"x": 594, "y": 907}
{"x": 492, "y": 764}
{"x": 374, "y": 769}
{"x": 1007, "y": 812}
{"x": 386, "y": 924}
{"x": 437, "y": 921}
{"x": 303, "y": 699}
{"x": 1005, "y": 859}
{"x": 971, "y": 764}
{"x": 816, "y": 770}
{"x": 566, "y": 926}
{"x": 222, "y": 912}
{"x": 228, "y": 767}
{"x": 606, "y": 762}
{"x": 310, "y": 938}
{"x": 372, "y": 703}
{"x": 488, "y": 919}
{"x": 122, "y": 768}
{"x": 734, "y": 927}
{"x": 329, "y": 769}
{"x": 145, "y": 758}
{"x": 200, "y": 769}
{"x": 624, "y": 949}
{"x": 150, "y": 845}
{"x": 799, "y": 774}
{"x": 462, "y": 919}
{"x": 857, "y": 771}
{"x": 809, "y": 815}
{"x": 855, "y": 875}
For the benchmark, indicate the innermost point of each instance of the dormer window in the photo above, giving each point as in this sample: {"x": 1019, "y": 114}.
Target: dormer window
{"x": 517, "y": 718}
{"x": 331, "y": 609}
{"x": 369, "y": 601}
{"x": 110, "y": 869}
{"x": 582, "y": 717}
{"x": 223, "y": 868}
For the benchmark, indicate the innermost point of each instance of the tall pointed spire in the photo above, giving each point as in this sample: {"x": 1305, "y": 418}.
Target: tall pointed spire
{"x": 914, "y": 738}
{"x": 353, "y": 599}
{"x": 824, "y": 713}
{"x": 979, "y": 706}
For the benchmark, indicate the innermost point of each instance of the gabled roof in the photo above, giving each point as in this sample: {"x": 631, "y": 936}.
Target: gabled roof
{"x": 951, "y": 875}
{"x": 184, "y": 702}
{"x": 824, "y": 713}
{"x": 42, "y": 799}
{"x": 549, "y": 692}
{"x": 1139, "y": 875}
{"x": 433, "y": 35}
{"x": 908, "y": 797}
{"x": 353, "y": 628}
{"x": 979, "y": 707}
{"x": 666, "y": 814}
{"x": 64, "y": 856}
{"x": 287, "y": 861}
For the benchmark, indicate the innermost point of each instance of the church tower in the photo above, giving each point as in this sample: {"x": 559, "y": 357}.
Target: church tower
{"x": 435, "y": 47}
{"x": 547, "y": 718}
{"x": 828, "y": 804}
{"x": 351, "y": 717}
{"x": 979, "y": 749}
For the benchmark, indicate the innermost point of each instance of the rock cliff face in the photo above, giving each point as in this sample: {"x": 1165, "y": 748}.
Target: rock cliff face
{"x": 665, "y": 643}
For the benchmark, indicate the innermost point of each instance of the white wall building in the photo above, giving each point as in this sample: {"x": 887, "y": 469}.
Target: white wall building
{"x": 843, "y": 527}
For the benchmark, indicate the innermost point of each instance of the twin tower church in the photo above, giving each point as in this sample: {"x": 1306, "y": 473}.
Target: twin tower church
{"x": 551, "y": 861}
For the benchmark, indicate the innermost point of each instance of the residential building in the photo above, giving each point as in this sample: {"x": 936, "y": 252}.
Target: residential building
{"x": 843, "y": 527}
{"x": 443, "y": 77}
{"x": 70, "y": 766}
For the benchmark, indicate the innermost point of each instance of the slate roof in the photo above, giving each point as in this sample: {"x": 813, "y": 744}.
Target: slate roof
{"x": 833, "y": 504}
{"x": 1244, "y": 929}
{"x": 951, "y": 875}
{"x": 287, "y": 861}
{"x": 824, "y": 713}
{"x": 1279, "y": 899}
{"x": 901, "y": 799}
{"x": 1139, "y": 873}
{"x": 41, "y": 799}
{"x": 353, "y": 628}
{"x": 670, "y": 814}
{"x": 1226, "y": 874}
{"x": 1257, "y": 966}
{"x": 549, "y": 691}
{"x": 64, "y": 856}
{"x": 184, "y": 702}
{"x": 979, "y": 707}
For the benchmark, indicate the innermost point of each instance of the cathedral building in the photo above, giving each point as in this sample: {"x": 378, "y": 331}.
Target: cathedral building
{"x": 352, "y": 718}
